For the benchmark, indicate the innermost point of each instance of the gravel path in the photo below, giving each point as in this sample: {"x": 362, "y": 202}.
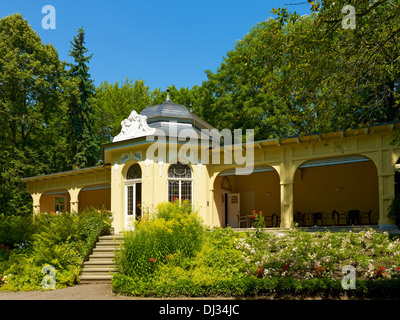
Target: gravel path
{"x": 78, "y": 292}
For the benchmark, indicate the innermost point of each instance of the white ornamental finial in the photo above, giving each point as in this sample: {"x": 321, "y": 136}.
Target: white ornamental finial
{"x": 168, "y": 99}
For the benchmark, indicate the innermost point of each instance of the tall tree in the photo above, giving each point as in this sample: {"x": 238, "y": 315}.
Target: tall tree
{"x": 304, "y": 74}
{"x": 85, "y": 148}
{"x": 31, "y": 111}
{"x": 115, "y": 102}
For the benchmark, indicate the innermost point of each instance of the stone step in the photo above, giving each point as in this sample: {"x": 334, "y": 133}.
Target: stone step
{"x": 95, "y": 279}
{"x": 105, "y": 249}
{"x": 116, "y": 237}
{"x": 110, "y": 243}
{"x": 100, "y": 264}
{"x": 95, "y": 274}
{"x": 100, "y": 268}
{"x": 95, "y": 259}
{"x": 98, "y": 272}
{"x": 107, "y": 255}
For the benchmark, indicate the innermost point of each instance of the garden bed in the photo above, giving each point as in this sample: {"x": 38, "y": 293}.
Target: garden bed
{"x": 256, "y": 263}
{"x": 46, "y": 251}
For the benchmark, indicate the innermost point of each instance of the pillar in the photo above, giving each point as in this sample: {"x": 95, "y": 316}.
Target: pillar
{"x": 74, "y": 202}
{"x": 386, "y": 195}
{"x": 117, "y": 196}
{"x": 286, "y": 204}
{"x": 36, "y": 202}
{"x": 385, "y": 162}
{"x": 286, "y": 172}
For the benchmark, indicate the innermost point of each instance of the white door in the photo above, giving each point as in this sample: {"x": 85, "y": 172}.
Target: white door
{"x": 233, "y": 209}
{"x": 133, "y": 209}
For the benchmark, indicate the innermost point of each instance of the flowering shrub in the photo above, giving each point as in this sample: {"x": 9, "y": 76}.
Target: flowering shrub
{"x": 251, "y": 263}
{"x": 320, "y": 271}
{"x": 172, "y": 228}
{"x": 260, "y": 273}
{"x": 379, "y": 272}
{"x": 258, "y": 219}
{"x": 319, "y": 254}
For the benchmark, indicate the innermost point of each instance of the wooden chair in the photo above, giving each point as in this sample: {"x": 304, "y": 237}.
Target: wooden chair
{"x": 318, "y": 216}
{"x": 299, "y": 218}
{"x": 339, "y": 216}
{"x": 302, "y": 219}
{"x": 276, "y": 219}
{"x": 353, "y": 216}
{"x": 330, "y": 218}
{"x": 366, "y": 215}
{"x": 242, "y": 219}
{"x": 273, "y": 219}
{"x": 306, "y": 219}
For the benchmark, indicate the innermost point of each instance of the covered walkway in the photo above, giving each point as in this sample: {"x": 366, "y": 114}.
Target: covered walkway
{"x": 71, "y": 191}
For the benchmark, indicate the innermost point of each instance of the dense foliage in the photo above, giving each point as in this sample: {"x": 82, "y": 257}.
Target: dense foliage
{"x": 171, "y": 229}
{"x": 28, "y": 244}
{"x": 304, "y": 74}
{"x": 31, "y": 111}
{"x": 245, "y": 264}
{"x": 289, "y": 75}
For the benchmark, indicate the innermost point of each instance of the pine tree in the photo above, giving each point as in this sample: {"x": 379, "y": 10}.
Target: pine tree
{"x": 84, "y": 147}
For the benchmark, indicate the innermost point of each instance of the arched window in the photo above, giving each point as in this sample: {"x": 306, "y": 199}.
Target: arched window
{"x": 179, "y": 182}
{"x": 134, "y": 172}
{"x": 133, "y": 192}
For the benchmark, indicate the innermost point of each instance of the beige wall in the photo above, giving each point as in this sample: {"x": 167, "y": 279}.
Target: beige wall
{"x": 47, "y": 202}
{"x": 96, "y": 198}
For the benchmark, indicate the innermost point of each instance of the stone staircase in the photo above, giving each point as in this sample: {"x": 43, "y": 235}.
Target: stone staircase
{"x": 100, "y": 265}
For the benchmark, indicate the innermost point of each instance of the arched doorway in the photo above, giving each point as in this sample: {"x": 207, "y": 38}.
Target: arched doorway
{"x": 336, "y": 192}
{"x": 237, "y": 196}
{"x": 133, "y": 195}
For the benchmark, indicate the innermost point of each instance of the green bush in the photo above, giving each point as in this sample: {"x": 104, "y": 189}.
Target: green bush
{"x": 16, "y": 229}
{"x": 283, "y": 264}
{"x": 173, "y": 228}
{"x": 60, "y": 240}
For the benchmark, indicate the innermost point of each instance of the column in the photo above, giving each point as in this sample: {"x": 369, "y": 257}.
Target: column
{"x": 385, "y": 162}
{"x": 74, "y": 202}
{"x": 386, "y": 195}
{"x": 36, "y": 202}
{"x": 286, "y": 204}
{"x": 286, "y": 173}
{"x": 118, "y": 195}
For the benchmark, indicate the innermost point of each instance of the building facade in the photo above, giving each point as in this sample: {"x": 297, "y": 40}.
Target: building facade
{"x": 167, "y": 153}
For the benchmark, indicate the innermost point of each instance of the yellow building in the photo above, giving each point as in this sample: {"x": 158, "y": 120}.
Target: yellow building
{"x": 167, "y": 153}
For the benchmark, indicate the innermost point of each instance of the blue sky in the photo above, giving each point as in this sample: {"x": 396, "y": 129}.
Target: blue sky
{"x": 161, "y": 42}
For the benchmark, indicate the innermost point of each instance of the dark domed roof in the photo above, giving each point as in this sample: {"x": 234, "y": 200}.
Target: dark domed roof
{"x": 167, "y": 110}
{"x": 169, "y": 115}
